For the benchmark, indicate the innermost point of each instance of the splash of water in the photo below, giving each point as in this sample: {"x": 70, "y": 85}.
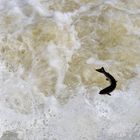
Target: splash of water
{"x": 48, "y": 83}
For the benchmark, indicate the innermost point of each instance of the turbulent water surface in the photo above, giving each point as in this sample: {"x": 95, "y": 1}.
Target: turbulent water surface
{"x": 49, "y": 50}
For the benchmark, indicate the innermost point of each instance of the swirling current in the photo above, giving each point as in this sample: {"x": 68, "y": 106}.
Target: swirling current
{"x": 49, "y": 50}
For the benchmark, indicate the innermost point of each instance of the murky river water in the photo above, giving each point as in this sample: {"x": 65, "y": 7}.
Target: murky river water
{"x": 49, "y": 50}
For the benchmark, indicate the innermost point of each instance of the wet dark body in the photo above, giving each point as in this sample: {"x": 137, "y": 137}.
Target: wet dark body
{"x": 111, "y": 79}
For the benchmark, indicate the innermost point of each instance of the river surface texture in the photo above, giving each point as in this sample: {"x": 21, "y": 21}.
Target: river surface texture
{"x": 49, "y": 50}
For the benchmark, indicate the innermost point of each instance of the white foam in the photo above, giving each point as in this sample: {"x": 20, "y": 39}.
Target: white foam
{"x": 25, "y": 110}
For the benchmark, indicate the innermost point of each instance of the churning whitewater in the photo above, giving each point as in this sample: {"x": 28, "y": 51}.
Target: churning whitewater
{"x": 49, "y": 50}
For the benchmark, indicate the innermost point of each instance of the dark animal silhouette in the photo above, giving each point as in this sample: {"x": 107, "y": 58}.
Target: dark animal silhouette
{"x": 111, "y": 79}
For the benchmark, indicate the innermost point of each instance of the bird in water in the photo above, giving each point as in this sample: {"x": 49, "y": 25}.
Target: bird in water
{"x": 111, "y": 79}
